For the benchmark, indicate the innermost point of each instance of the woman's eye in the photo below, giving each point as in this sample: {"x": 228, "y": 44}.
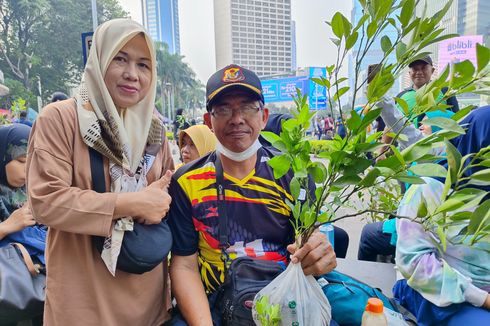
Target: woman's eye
{"x": 144, "y": 65}
{"x": 119, "y": 58}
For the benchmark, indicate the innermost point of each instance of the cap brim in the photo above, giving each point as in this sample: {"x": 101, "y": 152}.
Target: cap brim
{"x": 411, "y": 64}
{"x": 249, "y": 88}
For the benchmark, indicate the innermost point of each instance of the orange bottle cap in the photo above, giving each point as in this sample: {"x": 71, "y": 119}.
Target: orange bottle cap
{"x": 374, "y": 305}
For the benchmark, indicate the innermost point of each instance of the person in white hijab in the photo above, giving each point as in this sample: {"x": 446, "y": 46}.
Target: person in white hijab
{"x": 112, "y": 113}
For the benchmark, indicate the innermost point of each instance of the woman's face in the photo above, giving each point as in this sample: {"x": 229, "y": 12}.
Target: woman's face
{"x": 128, "y": 76}
{"x": 16, "y": 172}
{"x": 188, "y": 150}
{"x": 425, "y": 129}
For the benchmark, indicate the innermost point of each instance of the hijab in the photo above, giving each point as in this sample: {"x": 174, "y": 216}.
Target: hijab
{"x": 121, "y": 137}
{"x": 202, "y": 137}
{"x": 13, "y": 144}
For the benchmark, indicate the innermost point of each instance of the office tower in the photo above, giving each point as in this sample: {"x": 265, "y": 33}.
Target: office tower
{"x": 255, "y": 34}
{"x": 161, "y": 19}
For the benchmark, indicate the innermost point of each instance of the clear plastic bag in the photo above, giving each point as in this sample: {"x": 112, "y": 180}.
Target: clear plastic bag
{"x": 292, "y": 299}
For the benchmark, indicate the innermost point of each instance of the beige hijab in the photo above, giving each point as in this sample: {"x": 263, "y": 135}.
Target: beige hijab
{"x": 120, "y": 137}
{"x": 202, "y": 137}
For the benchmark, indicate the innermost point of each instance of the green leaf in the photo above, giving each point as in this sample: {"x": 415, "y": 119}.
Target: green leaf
{"x": 280, "y": 165}
{"x": 386, "y": 44}
{"x": 354, "y": 121}
{"x": 270, "y": 136}
{"x": 338, "y": 25}
{"x": 347, "y": 180}
{"x": 428, "y": 170}
{"x": 371, "y": 29}
{"x": 461, "y": 216}
{"x": 480, "y": 217}
{"x": 318, "y": 172}
{"x": 351, "y": 40}
{"x": 407, "y": 12}
{"x": 453, "y": 159}
{"x": 341, "y": 92}
{"x": 401, "y": 50}
{"x": 462, "y": 74}
{"x": 462, "y": 113}
{"x": 444, "y": 123}
{"x": 482, "y": 56}
{"x": 410, "y": 179}
{"x": 483, "y": 175}
{"x": 370, "y": 178}
{"x": 295, "y": 187}
{"x": 403, "y": 105}
{"x": 442, "y": 236}
{"x": 370, "y": 117}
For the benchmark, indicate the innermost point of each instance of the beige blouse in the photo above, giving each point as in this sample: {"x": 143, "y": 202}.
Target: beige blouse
{"x": 80, "y": 290}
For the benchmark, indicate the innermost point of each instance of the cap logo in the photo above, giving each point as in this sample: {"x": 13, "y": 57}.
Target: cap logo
{"x": 232, "y": 75}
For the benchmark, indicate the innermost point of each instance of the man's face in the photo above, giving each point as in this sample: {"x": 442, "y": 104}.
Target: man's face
{"x": 420, "y": 73}
{"x": 236, "y": 120}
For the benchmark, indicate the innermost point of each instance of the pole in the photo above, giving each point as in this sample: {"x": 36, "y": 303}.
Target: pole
{"x": 94, "y": 14}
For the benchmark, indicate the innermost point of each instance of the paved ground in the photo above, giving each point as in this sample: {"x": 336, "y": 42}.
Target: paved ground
{"x": 352, "y": 225}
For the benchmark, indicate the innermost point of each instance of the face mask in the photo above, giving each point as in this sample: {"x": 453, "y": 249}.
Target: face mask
{"x": 239, "y": 157}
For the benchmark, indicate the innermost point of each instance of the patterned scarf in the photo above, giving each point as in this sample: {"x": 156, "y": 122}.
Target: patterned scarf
{"x": 122, "y": 138}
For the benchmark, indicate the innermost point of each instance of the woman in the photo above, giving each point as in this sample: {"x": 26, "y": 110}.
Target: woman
{"x": 112, "y": 114}
{"x": 16, "y": 221}
{"x": 196, "y": 141}
{"x": 444, "y": 287}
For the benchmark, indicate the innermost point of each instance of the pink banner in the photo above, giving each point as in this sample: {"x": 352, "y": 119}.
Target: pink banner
{"x": 458, "y": 49}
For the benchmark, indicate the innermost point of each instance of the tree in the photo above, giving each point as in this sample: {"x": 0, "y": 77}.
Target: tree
{"x": 176, "y": 78}
{"x": 40, "y": 40}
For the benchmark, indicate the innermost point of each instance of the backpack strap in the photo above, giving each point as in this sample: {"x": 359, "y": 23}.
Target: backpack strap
{"x": 222, "y": 216}
{"x": 97, "y": 171}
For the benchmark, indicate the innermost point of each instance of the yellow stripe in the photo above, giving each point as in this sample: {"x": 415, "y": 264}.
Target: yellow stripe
{"x": 213, "y": 94}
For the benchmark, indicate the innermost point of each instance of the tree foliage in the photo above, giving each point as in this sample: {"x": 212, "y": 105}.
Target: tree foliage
{"x": 41, "y": 40}
{"x": 348, "y": 170}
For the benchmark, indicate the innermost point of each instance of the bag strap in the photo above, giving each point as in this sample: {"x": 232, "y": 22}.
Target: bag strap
{"x": 33, "y": 268}
{"x": 97, "y": 170}
{"x": 222, "y": 216}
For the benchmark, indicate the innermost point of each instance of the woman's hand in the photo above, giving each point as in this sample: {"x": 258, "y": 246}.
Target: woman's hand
{"x": 486, "y": 304}
{"x": 154, "y": 201}
{"x": 18, "y": 220}
{"x": 317, "y": 256}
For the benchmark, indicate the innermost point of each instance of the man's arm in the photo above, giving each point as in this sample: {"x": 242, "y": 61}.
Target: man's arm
{"x": 188, "y": 290}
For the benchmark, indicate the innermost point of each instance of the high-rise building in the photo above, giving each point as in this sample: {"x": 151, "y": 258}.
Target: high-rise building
{"x": 254, "y": 34}
{"x": 373, "y": 56}
{"x": 161, "y": 19}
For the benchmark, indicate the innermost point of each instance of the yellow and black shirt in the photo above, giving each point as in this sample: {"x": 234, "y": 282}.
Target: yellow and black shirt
{"x": 258, "y": 216}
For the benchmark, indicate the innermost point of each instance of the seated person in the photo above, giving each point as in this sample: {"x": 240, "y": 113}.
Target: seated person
{"x": 258, "y": 216}
{"x": 16, "y": 221}
{"x": 444, "y": 287}
{"x": 194, "y": 142}
{"x": 379, "y": 238}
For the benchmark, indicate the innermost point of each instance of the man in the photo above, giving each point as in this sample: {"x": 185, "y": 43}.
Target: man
{"x": 420, "y": 72}
{"x": 258, "y": 217}
{"x": 23, "y": 119}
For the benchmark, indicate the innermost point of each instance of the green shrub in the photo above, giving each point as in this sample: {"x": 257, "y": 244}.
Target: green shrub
{"x": 318, "y": 146}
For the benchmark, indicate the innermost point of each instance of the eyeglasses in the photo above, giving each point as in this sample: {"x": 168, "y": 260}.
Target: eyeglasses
{"x": 226, "y": 112}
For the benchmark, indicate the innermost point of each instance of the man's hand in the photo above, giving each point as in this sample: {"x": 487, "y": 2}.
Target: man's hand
{"x": 154, "y": 201}
{"x": 316, "y": 256}
{"x": 18, "y": 220}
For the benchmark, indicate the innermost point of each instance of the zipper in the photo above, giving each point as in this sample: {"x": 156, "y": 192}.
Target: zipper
{"x": 346, "y": 285}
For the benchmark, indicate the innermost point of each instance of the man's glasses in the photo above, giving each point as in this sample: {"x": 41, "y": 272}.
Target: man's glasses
{"x": 226, "y": 112}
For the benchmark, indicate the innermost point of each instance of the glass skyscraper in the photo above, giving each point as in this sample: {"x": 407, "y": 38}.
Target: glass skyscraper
{"x": 161, "y": 18}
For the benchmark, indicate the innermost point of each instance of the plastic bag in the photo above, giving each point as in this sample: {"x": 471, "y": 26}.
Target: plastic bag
{"x": 292, "y": 299}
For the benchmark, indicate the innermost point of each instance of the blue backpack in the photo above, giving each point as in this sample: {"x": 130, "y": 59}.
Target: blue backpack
{"x": 348, "y": 297}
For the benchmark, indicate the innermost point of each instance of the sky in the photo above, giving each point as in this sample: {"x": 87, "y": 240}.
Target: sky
{"x": 313, "y": 47}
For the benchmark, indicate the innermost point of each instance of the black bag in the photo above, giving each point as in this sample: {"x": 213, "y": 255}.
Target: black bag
{"x": 21, "y": 285}
{"x": 245, "y": 276}
{"x": 142, "y": 249}
{"x": 244, "y": 279}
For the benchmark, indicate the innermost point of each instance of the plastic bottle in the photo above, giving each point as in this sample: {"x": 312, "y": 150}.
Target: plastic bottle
{"x": 373, "y": 314}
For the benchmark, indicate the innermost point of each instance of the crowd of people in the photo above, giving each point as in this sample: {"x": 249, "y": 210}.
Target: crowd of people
{"x": 113, "y": 114}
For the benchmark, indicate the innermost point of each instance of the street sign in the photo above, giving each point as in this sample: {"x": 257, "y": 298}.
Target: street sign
{"x": 86, "y": 43}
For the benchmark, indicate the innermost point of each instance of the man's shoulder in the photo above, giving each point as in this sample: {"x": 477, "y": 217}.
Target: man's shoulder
{"x": 203, "y": 161}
